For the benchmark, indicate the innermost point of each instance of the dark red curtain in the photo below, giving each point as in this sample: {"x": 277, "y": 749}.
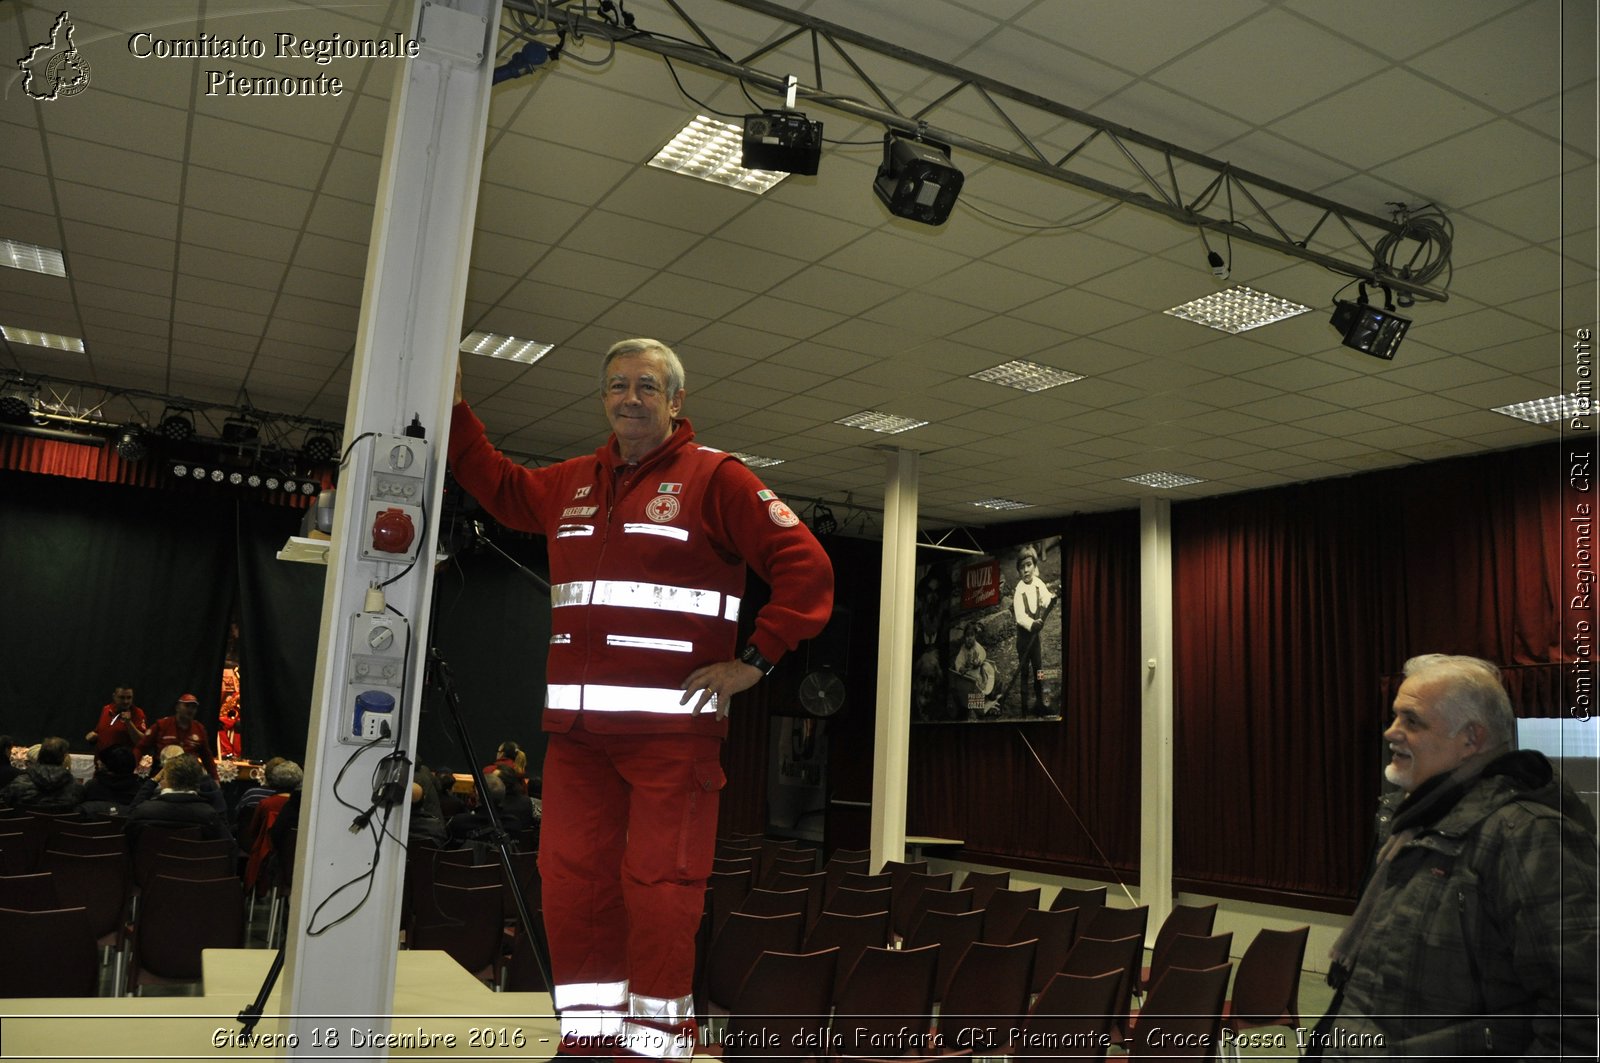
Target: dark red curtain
{"x": 1294, "y": 605}
{"x": 1063, "y": 795}
{"x": 79, "y": 461}
{"x": 99, "y": 461}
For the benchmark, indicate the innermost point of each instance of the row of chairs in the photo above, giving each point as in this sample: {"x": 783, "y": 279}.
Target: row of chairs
{"x": 465, "y": 908}
{"x": 985, "y": 996}
{"x": 905, "y": 906}
{"x": 92, "y": 911}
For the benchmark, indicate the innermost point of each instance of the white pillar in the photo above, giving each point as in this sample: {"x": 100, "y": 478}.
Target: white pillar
{"x": 892, "y": 725}
{"x": 1155, "y": 760}
{"x": 344, "y": 926}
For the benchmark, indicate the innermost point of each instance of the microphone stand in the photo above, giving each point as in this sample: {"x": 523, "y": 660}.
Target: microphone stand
{"x": 496, "y": 832}
{"x": 477, "y": 533}
{"x": 253, "y": 1011}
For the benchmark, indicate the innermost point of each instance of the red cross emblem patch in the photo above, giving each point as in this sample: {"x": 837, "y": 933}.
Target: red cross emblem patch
{"x": 661, "y": 508}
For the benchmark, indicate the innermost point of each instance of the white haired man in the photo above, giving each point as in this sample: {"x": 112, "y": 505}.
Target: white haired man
{"x": 1476, "y": 932}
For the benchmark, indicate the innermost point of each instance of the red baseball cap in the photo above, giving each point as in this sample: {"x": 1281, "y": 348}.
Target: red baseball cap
{"x": 191, "y": 698}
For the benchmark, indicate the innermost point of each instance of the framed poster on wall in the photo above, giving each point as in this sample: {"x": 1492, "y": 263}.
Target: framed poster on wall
{"x": 988, "y": 637}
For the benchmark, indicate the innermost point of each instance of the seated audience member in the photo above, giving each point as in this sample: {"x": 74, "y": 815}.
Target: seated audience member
{"x": 510, "y": 756}
{"x": 46, "y": 784}
{"x": 450, "y": 802}
{"x": 178, "y": 802}
{"x": 182, "y": 729}
{"x": 121, "y": 722}
{"x": 516, "y": 808}
{"x": 114, "y": 785}
{"x": 256, "y": 838}
{"x": 475, "y": 825}
{"x": 208, "y": 787}
{"x": 8, "y": 770}
{"x": 245, "y": 807}
{"x": 427, "y": 816}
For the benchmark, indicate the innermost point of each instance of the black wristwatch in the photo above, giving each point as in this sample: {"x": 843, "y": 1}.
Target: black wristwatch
{"x": 752, "y": 656}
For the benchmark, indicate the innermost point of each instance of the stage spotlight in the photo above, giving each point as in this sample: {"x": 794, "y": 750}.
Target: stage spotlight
{"x": 781, "y": 141}
{"x": 1367, "y": 329}
{"x": 317, "y": 449}
{"x": 916, "y": 179}
{"x": 823, "y": 521}
{"x": 177, "y": 426}
{"x": 15, "y": 409}
{"x": 131, "y": 445}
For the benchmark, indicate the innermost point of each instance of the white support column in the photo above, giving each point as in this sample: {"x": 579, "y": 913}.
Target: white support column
{"x": 345, "y": 923}
{"x": 892, "y": 727}
{"x": 1155, "y": 760}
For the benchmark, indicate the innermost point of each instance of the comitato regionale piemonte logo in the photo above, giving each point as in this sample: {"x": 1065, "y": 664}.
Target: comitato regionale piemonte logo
{"x": 54, "y": 67}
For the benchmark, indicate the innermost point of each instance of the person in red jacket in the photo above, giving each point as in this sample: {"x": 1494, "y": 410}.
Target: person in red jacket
{"x": 181, "y": 729}
{"x": 649, "y": 541}
{"x": 121, "y": 722}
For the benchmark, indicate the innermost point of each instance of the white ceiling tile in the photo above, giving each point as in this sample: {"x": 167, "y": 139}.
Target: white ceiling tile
{"x": 1507, "y": 63}
{"x": 1271, "y": 47}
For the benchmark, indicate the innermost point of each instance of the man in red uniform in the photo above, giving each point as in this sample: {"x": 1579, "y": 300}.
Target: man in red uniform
{"x": 649, "y": 539}
{"x": 121, "y": 722}
{"x": 181, "y": 729}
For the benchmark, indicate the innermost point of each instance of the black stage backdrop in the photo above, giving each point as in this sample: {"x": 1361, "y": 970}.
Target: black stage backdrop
{"x": 108, "y": 585}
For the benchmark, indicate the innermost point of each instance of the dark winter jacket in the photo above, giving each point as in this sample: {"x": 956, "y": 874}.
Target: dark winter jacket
{"x": 47, "y": 787}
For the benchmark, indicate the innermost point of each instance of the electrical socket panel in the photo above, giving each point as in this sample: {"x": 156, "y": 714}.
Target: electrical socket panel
{"x": 395, "y": 491}
{"x": 375, "y": 677}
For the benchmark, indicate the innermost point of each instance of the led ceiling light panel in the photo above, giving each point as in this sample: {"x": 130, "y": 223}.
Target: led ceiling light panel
{"x": 1026, "y": 376}
{"x": 42, "y": 339}
{"x": 1238, "y": 309}
{"x": 1546, "y": 410}
{"x": 873, "y": 421}
{"x": 32, "y": 257}
{"x": 1163, "y": 479}
{"x": 711, "y": 150}
{"x": 509, "y": 348}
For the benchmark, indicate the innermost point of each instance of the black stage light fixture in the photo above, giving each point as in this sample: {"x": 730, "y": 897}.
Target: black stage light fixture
{"x": 1367, "y": 329}
{"x": 782, "y": 141}
{"x": 131, "y": 444}
{"x": 317, "y": 449}
{"x": 177, "y": 425}
{"x": 14, "y": 409}
{"x": 916, "y": 179}
{"x": 823, "y": 522}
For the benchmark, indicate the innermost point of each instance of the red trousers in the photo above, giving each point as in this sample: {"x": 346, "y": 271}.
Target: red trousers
{"x": 625, "y": 847}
